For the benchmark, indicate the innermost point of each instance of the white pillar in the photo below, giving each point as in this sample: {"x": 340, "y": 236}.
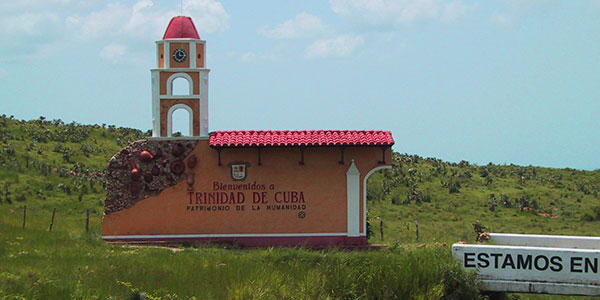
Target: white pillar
{"x": 193, "y": 57}
{"x": 353, "y": 197}
{"x": 155, "y": 103}
{"x": 203, "y": 102}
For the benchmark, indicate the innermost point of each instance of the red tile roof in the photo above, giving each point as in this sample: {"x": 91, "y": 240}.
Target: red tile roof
{"x": 275, "y": 138}
{"x": 181, "y": 28}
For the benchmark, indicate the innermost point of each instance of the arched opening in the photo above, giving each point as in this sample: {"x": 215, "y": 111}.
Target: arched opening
{"x": 180, "y": 121}
{"x": 181, "y": 87}
{"x": 373, "y": 194}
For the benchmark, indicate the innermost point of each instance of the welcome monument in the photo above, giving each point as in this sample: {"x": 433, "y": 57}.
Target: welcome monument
{"x": 253, "y": 188}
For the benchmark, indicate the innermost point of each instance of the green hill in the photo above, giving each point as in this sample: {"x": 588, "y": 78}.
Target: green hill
{"x": 447, "y": 199}
{"x": 49, "y": 164}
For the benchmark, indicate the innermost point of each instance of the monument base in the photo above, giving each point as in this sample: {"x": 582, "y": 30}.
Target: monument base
{"x": 266, "y": 240}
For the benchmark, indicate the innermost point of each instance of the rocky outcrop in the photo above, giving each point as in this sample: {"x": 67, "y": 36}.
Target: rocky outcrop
{"x": 144, "y": 169}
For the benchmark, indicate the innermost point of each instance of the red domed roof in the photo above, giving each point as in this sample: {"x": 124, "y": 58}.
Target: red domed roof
{"x": 181, "y": 28}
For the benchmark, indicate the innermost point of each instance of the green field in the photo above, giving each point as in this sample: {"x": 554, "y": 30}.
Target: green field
{"x": 47, "y": 164}
{"x": 447, "y": 199}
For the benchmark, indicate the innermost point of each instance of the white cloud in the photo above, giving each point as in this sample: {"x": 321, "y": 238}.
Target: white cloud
{"x": 340, "y": 46}
{"x": 27, "y": 24}
{"x": 38, "y": 5}
{"x": 525, "y": 5}
{"x": 303, "y": 25}
{"x": 501, "y": 19}
{"x": 454, "y": 11}
{"x": 48, "y": 23}
{"x": 248, "y": 56}
{"x": 514, "y": 10}
{"x": 108, "y": 21}
{"x": 254, "y": 57}
{"x": 209, "y": 15}
{"x": 392, "y": 13}
{"x": 143, "y": 19}
{"x": 27, "y": 33}
{"x": 113, "y": 53}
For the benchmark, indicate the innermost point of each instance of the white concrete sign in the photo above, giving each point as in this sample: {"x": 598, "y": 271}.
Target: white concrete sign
{"x": 552, "y": 241}
{"x": 533, "y": 269}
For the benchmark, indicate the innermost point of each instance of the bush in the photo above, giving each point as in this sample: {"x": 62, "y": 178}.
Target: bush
{"x": 396, "y": 200}
{"x": 593, "y": 215}
{"x": 454, "y": 187}
{"x": 459, "y": 285}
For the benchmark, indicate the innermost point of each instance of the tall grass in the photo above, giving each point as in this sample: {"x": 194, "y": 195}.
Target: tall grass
{"x": 36, "y": 264}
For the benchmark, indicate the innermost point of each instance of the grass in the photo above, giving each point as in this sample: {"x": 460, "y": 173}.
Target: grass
{"x": 71, "y": 264}
{"x": 47, "y": 164}
{"x": 536, "y": 200}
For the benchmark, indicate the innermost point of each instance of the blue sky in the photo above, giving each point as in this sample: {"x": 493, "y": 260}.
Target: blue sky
{"x": 502, "y": 81}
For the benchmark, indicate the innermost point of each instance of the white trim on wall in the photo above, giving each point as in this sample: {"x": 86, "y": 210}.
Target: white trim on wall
{"x": 364, "y": 232}
{"x": 353, "y": 199}
{"x": 180, "y": 75}
{"x": 171, "y": 138}
{"x": 168, "y": 97}
{"x": 203, "y": 76}
{"x": 159, "y": 236}
{"x": 193, "y": 57}
{"x": 181, "y": 40}
{"x": 180, "y": 69}
{"x": 170, "y": 118}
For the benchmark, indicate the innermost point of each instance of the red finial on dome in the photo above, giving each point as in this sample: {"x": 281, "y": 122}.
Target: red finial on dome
{"x": 181, "y": 28}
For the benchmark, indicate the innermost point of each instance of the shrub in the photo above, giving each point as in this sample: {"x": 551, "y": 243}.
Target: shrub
{"x": 593, "y": 215}
{"x": 506, "y": 202}
{"x": 478, "y": 228}
{"x": 427, "y": 198}
{"x": 413, "y": 194}
{"x": 483, "y": 172}
{"x": 454, "y": 187}
{"x": 459, "y": 285}
{"x": 396, "y": 200}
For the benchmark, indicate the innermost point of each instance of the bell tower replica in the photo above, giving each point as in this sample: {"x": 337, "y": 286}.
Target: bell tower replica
{"x": 180, "y": 55}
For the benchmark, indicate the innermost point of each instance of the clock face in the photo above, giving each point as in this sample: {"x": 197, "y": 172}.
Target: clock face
{"x": 179, "y": 55}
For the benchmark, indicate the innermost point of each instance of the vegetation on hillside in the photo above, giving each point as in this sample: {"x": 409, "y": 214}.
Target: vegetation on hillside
{"x": 449, "y": 200}
{"x": 52, "y": 164}
{"x": 46, "y": 164}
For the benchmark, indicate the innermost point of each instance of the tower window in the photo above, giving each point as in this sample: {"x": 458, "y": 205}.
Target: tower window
{"x": 161, "y": 56}
{"x": 181, "y": 86}
{"x": 181, "y": 119}
{"x": 198, "y": 55}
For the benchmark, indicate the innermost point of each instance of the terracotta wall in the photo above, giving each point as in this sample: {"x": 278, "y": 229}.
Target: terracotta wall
{"x": 200, "y": 55}
{"x": 166, "y": 104}
{"x": 186, "y": 62}
{"x": 322, "y": 181}
{"x": 164, "y": 76}
{"x": 161, "y": 55}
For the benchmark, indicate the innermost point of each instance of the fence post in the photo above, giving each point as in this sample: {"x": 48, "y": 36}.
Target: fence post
{"x": 417, "y": 226}
{"x": 52, "y": 220}
{"x": 87, "y": 220}
{"x": 24, "y": 215}
{"x": 381, "y": 228}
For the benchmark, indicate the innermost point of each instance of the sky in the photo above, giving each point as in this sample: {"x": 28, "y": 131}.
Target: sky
{"x": 506, "y": 81}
